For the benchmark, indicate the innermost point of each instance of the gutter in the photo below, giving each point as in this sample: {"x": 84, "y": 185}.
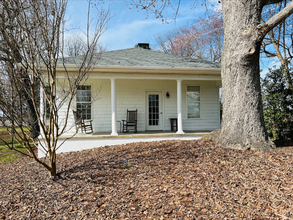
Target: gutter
{"x": 143, "y": 70}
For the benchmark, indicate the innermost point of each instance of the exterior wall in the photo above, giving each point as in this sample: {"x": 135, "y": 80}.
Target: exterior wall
{"x": 209, "y": 106}
{"x": 63, "y": 88}
{"x": 131, "y": 94}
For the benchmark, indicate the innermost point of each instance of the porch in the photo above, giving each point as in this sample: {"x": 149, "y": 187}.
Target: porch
{"x": 157, "y": 102}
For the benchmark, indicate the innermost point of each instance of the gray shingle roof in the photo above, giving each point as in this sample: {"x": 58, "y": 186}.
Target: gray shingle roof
{"x": 139, "y": 57}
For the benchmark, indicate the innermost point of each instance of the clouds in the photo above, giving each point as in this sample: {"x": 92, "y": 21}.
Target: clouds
{"x": 129, "y": 27}
{"x": 125, "y": 35}
{"x": 269, "y": 63}
{"x": 215, "y": 5}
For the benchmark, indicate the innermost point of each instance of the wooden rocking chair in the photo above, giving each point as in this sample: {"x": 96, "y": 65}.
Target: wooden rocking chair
{"x": 82, "y": 124}
{"x": 131, "y": 121}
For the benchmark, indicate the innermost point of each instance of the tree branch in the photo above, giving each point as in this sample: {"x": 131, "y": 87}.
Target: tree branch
{"x": 276, "y": 19}
{"x": 269, "y": 2}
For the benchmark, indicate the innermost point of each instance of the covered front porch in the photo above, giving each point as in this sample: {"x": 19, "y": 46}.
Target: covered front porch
{"x": 160, "y": 104}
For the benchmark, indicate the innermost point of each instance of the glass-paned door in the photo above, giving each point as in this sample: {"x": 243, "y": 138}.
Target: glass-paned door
{"x": 154, "y": 111}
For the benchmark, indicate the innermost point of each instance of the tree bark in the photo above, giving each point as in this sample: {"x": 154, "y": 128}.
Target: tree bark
{"x": 32, "y": 115}
{"x": 243, "y": 121}
{"x": 53, "y": 167}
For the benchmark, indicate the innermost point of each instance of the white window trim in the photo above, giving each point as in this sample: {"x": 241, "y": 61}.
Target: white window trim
{"x": 200, "y": 101}
{"x": 87, "y": 102}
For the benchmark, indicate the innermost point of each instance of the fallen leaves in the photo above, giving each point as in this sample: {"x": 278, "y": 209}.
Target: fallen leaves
{"x": 166, "y": 180}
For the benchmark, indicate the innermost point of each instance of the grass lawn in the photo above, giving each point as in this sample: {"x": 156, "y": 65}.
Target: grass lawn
{"x": 7, "y": 155}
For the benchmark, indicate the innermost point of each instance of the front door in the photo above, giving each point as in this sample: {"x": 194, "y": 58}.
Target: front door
{"x": 154, "y": 119}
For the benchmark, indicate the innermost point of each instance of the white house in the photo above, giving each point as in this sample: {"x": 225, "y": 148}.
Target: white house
{"x": 160, "y": 86}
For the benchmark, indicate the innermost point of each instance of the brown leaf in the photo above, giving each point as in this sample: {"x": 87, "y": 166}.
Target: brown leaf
{"x": 169, "y": 176}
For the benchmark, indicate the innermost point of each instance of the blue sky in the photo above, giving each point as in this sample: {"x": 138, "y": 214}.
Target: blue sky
{"x": 128, "y": 27}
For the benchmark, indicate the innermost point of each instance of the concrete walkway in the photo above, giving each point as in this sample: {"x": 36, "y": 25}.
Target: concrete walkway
{"x": 141, "y": 134}
{"x": 89, "y": 141}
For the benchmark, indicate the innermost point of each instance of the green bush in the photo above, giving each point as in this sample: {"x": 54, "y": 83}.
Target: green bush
{"x": 277, "y": 105}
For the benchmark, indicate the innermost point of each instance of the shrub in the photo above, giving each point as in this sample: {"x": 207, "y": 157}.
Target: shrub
{"x": 277, "y": 105}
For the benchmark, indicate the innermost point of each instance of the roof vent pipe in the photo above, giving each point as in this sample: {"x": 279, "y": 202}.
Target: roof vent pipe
{"x": 143, "y": 45}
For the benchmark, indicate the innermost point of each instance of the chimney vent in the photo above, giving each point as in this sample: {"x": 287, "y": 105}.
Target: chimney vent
{"x": 143, "y": 45}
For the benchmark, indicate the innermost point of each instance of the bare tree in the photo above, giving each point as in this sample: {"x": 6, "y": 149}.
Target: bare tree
{"x": 243, "y": 122}
{"x": 75, "y": 45}
{"x": 202, "y": 40}
{"x": 32, "y": 50}
{"x": 10, "y": 54}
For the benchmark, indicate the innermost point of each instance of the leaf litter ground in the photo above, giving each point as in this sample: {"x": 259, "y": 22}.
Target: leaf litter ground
{"x": 166, "y": 180}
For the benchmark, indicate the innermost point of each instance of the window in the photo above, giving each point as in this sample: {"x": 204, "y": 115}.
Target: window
{"x": 193, "y": 102}
{"x": 83, "y": 102}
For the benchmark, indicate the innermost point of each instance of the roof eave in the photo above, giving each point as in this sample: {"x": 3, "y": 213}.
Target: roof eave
{"x": 138, "y": 69}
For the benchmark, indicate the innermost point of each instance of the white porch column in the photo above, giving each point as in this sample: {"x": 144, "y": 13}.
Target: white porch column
{"x": 113, "y": 106}
{"x": 42, "y": 110}
{"x": 179, "y": 108}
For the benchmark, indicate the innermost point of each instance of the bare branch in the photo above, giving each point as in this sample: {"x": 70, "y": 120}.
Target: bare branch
{"x": 276, "y": 19}
{"x": 31, "y": 49}
{"x": 269, "y": 2}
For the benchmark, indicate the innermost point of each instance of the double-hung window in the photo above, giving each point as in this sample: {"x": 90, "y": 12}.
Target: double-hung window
{"x": 193, "y": 102}
{"x": 83, "y": 101}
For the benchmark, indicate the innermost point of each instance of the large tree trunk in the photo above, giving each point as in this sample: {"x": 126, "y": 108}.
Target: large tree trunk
{"x": 243, "y": 122}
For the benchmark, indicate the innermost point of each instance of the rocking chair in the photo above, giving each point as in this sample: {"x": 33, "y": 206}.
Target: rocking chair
{"x": 82, "y": 124}
{"x": 131, "y": 121}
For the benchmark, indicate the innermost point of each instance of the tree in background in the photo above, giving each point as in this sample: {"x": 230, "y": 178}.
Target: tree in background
{"x": 32, "y": 48}
{"x": 75, "y": 45}
{"x": 277, "y": 104}
{"x": 202, "y": 40}
{"x": 10, "y": 55}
